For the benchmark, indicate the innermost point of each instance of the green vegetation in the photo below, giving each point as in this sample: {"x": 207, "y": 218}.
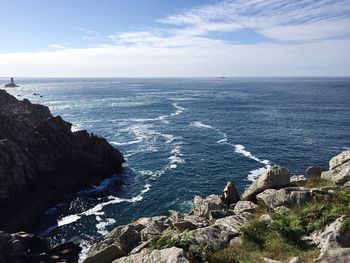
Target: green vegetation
{"x": 279, "y": 239}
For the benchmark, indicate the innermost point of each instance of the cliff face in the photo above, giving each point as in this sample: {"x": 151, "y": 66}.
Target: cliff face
{"x": 41, "y": 160}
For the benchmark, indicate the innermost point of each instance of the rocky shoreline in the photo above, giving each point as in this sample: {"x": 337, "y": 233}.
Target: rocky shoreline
{"x": 279, "y": 218}
{"x": 42, "y": 160}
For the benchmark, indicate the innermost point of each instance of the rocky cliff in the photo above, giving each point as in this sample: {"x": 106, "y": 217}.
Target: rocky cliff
{"x": 41, "y": 160}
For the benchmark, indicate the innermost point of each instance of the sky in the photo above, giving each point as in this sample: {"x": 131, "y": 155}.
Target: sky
{"x": 174, "y": 38}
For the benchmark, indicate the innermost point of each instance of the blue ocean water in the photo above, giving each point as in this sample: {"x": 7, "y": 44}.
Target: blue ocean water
{"x": 187, "y": 137}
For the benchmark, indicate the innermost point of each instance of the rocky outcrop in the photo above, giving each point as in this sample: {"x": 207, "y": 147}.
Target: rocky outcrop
{"x": 231, "y": 195}
{"x": 339, "y": 168}
{"x": 203, "y": 207}
{"x": 214, "y": 225}
{"x": 41, "y": 160}
{"x": 22, "y": 247}
{"x": 276, "y": 177}
{"x": 167, "y": 255}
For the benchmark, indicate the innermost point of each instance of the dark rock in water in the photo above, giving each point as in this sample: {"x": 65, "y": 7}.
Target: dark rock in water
{"x": 11, "y": 84}
{"x": 41, "y": 160}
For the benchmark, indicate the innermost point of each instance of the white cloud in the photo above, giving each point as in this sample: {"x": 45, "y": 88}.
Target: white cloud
{"x": 57, "y": 46}
{"x": 305, "y": 38}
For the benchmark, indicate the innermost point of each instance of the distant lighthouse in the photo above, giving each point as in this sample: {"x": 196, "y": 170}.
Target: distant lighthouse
{"x": 11, "y": 84}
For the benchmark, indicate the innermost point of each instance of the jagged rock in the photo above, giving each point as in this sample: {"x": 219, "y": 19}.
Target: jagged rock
{"x": 104, "y": 255}
{"x": 314, "y": 171}
{"x": 202, "y": 207}
{"x": 23, "y": 247}
{"x": 338, "y": 255}
{"x": 339, "y": 159}
{"x": 167, "y": 255}
{"x": 275, "y": 178}
{"x": 339, "y": 168}
{"x": 119, "y": 242}
{"x": 245, "y": 206}
{"x": 231, "y": 194}
{"x": 288, "y": 197}
{"x": 218, "y": 234}
{"x": 152, "y": 226}
{"x": 141, "y": 247}
{"x": 190, "y": 222}
{"x": 234, "y": 222}
{"x": 216, "y": 214}
{"x": 41, "y": 159}
{"x": 329, "y": 238}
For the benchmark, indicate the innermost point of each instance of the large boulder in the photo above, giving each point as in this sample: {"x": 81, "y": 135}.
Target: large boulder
{"x": 203, "y": 206}
{"x": 231, "y": 194}
{"x": 167, "y": 255}
{"x": 245, "y": 206}
{"x": 275, "y": 178}
{"x": 340, "y": 159}
{"x": 287, "y": 197}
{"x": 217, "y": 234}
{"x": 119, "y": 242}
{"x": 339, "y": 168}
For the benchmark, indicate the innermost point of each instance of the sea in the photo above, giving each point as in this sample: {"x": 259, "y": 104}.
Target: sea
{"x": 187, "y": 137}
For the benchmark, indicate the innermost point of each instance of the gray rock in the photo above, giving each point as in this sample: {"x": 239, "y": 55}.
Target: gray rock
{"x": 202, "y": 207}
{"x": 314, "y": 171}
{"x": 339, "y": 175}
{"x": 216, "y": 214}
{"x": 294, "y": 260}
{"x": 191, "y": 222}
{"x": 245, "y": 206}
{"x": 338, "y": 255}
{"x": 340, "y": 159}
{"x": 231, "y": 194}
{"x": 234, "y": 222}
{"x": 217, "y": 235}
{"x": 288, "y": 197}
{"x": 275, "y": 177}
{"x": 269, "y": 260}
{"x": 265, "y": 218}
{"x": 236, "y": 241}
{"x": 168, "y": 255}
{"x": 329, "y": 238}
{"x": 153, "y": 226}
{"x": 119, "y": 242}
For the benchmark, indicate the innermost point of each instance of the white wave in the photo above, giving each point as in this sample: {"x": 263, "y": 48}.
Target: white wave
{"x": 68, "y": 220}
{"x": 85, "y": 247}
{"x": 175, "y": 158}
{"x": 125, "y": 143}
{"x": 254, "y": 174}
{"x": 76, "y": 127}
{"x": 199, "y": 124}
{"x": 241, "y": 150}
{"x": 97, "y": 209}
{"x": 102, "y": 224}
